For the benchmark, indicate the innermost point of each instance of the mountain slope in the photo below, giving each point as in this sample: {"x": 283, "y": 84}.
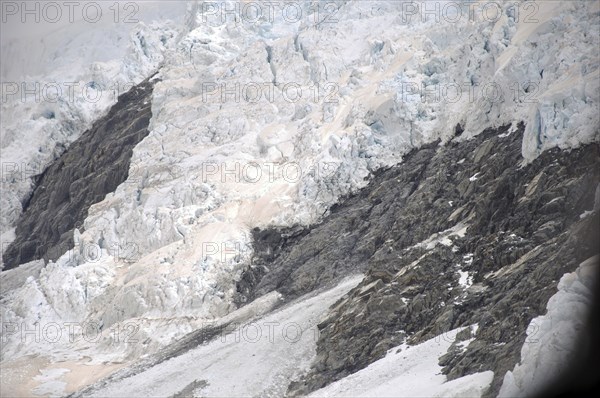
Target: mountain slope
{"x": 285, "y": 153}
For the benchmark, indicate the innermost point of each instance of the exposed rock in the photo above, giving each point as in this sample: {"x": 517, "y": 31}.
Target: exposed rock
{"x": 456, "y": 235}
{"x": 94, "y": 165}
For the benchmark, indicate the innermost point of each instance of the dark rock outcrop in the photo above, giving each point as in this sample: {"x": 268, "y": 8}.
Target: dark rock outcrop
{"x": 94, "y": 165}
{"x": 523, "y": 232}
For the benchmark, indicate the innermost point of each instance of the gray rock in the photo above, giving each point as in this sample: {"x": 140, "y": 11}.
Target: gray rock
{"x": 518, "y": 244}
{"x": 93, "y": 166}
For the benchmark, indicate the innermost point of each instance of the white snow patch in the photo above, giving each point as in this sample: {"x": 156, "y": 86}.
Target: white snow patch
{"x": 556, "y": 199}
{"x": 258, "y": 358}
{"x": 442, "y": 238}
{"x": 409, "y": 371}
{"x": 468, "y": 258}
{"x": 465, "y": 280}
{"x": 464, "y": 344}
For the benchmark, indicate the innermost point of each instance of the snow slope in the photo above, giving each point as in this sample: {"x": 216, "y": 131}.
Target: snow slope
{"x": 219, "y": 161}
{"x": 258, "y": 358}
{"x": 413, "y": 371}
{"x": 409, "y": 371}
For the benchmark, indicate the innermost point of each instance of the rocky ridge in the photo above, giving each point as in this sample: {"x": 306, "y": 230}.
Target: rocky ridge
{"x": 93, "y": 166}
{"x": 465, "y": 234}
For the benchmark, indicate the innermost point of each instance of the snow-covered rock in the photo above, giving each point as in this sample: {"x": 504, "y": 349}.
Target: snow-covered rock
{"x": 60, "y": 77}
{"x": 409, "y": 371}
{"x": 261, "y": 122}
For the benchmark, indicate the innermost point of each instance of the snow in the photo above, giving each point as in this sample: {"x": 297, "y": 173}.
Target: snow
{"x": 468, "y": 258}
{"x": 465, "y": 280}
{"x": 409, "y": 371}
{"x": 556, "y": 199}
{"x": 189, "y": 232}
{"x": 552, "y": 337}
{"x": 49, "y": 385}
{"x": 33, "y": 48}
{"x": 75, "y": 71}
{"x": 442, "y": 237}
{"x": 258, "y": 358}
{"x": 511, "y": 130}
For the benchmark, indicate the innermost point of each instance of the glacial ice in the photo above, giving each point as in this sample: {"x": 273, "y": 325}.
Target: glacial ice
{"x": 362, "y": 107}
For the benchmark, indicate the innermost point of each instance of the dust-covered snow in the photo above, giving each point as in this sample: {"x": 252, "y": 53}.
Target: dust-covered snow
{"x": 338, "y": 100}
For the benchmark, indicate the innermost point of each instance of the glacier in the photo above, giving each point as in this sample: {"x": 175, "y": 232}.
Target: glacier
{"x": 255, "y": 124}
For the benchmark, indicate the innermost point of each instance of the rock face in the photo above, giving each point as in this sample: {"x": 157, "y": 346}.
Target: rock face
{"x": 94, "y": 165}
{"x": 457, "y": 235}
